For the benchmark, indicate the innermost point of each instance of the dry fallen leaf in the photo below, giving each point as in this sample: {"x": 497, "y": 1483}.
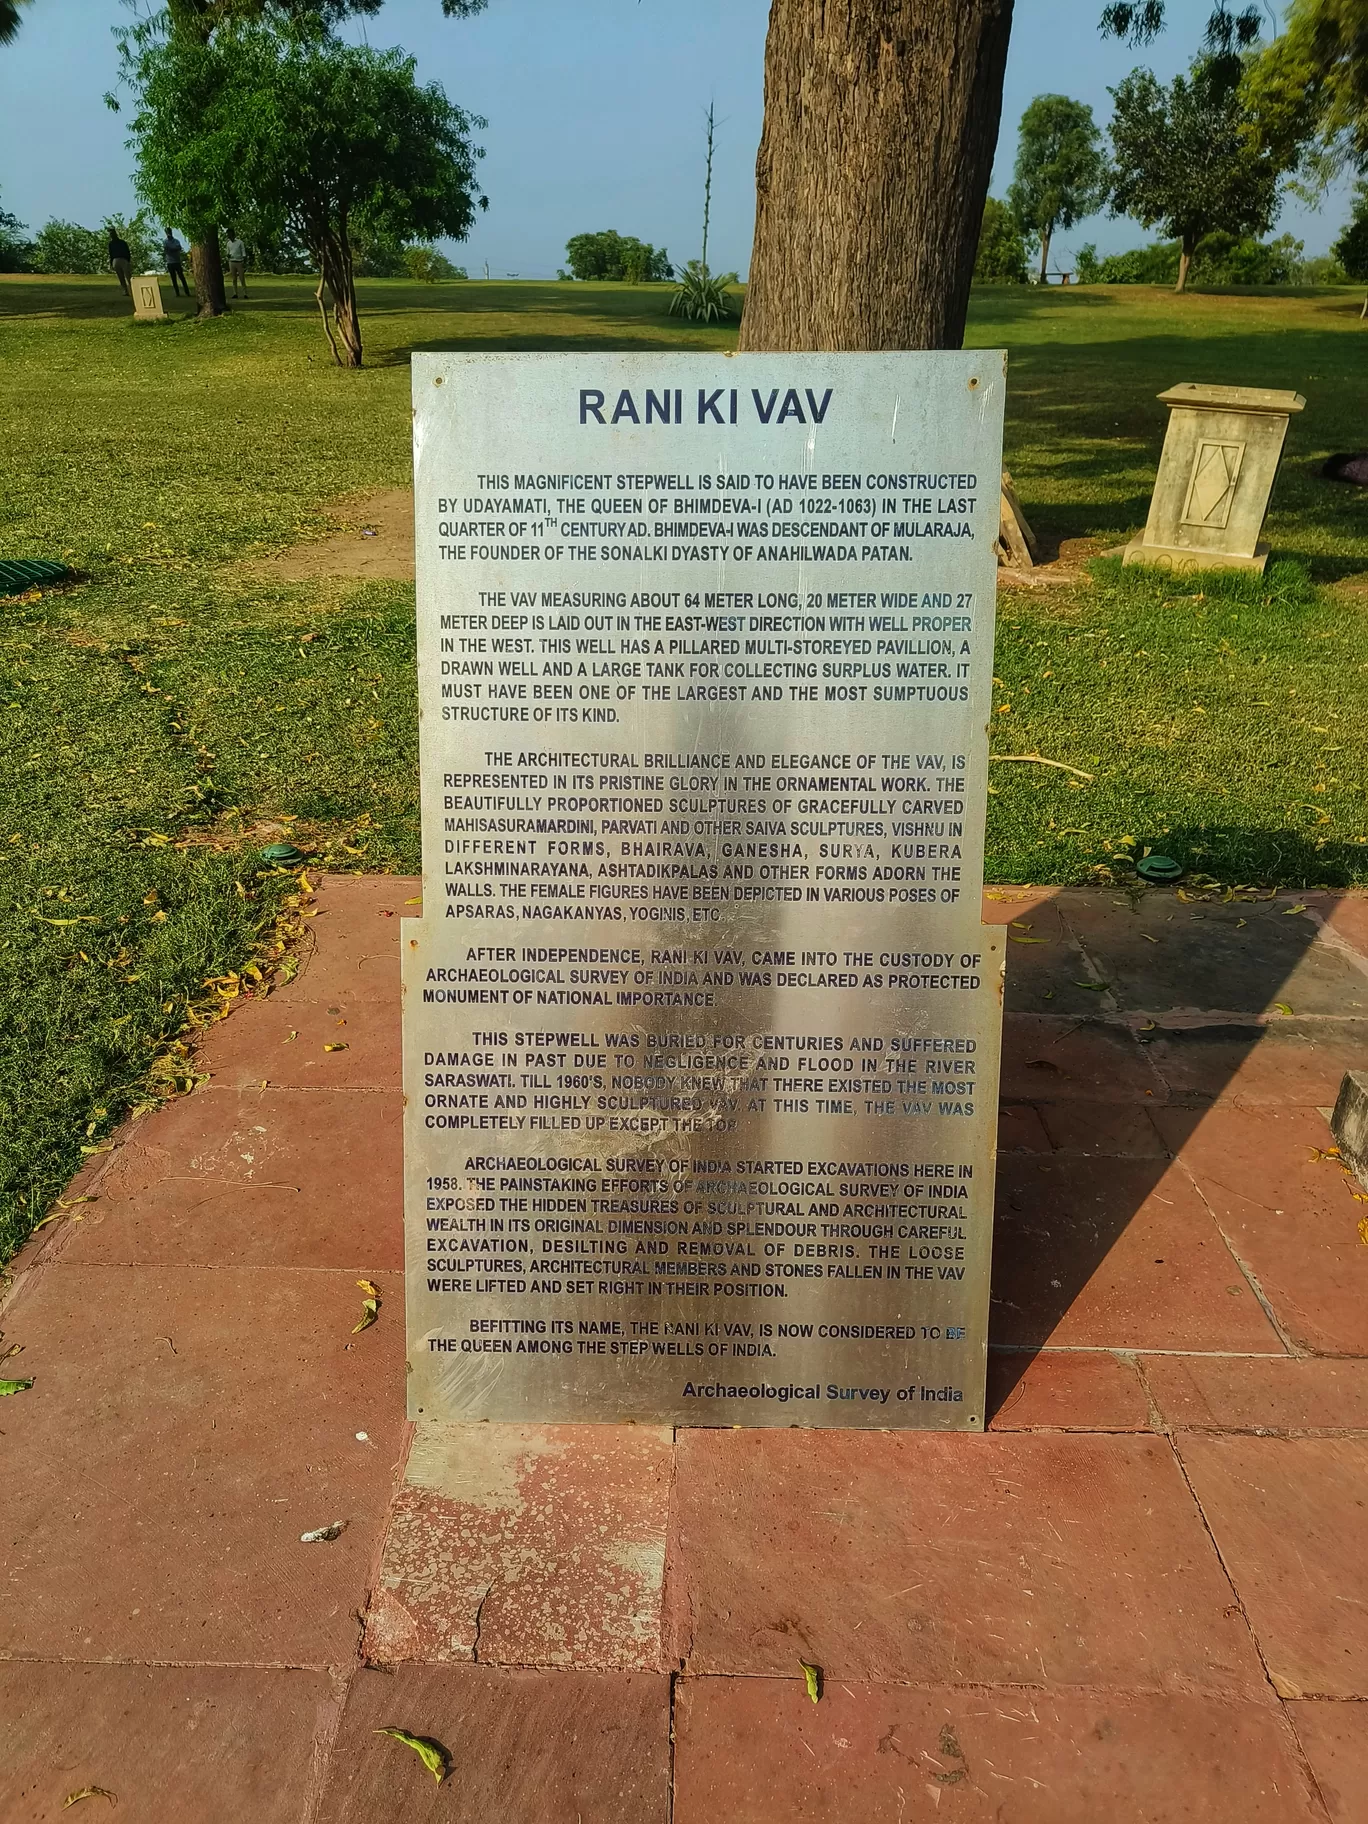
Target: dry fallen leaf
{"x": 89, "y": 1792}
{"x": 432, "y": 1754}
{"x": 340, "y": 1046}
{"x": 322, "y": 1535}
{"x": 370, "y": 1310}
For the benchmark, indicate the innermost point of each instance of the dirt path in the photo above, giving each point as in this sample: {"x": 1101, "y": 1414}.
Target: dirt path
{"x": 375, "y": 544}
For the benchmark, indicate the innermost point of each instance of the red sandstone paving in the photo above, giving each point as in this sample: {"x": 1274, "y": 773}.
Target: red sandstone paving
{"x": 355, "y": 937}
{"x": 1290, "y": 1215}
{"x": 1046, "y": 1058}
{"x": 756, "y": 1751}
{"x": 175, "y": 1745}
{"x": 1334, "y": 1738}
{"x": 281, "y": 1040}
{"x": 257, "y": 1177}
{"x": 1286, "y": 1063}
{"x": 1021, "y": 1130}
{"x": 526, "y": 1748}
{"x": 538, "y": 1545}
{"x": 1288, "y": 1515}
{"x": 1163, "y": 954}
{"x": 1251, "y": 1393}
{"x": 1041, "y": 1559}
{"x": 1122, "y": 1257}
{"x": 1122, "y": 1130}
{"x": 1065, "y": 1390}
{"x": 185, "y": 1426}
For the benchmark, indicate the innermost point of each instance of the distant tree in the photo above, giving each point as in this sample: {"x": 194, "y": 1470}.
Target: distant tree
{"x": 15, "y": 246}
{"x": 1351, "y": 249}
{"x": 610, "y": 255}
{"x": 427, "y": 264}
{"x": 1061, "y": 173}
{"x": 67, "y": 247}
{"x": 1184, "y": 158}
{"x": 298, "y": 129}
{"x": 1001, "y": 257}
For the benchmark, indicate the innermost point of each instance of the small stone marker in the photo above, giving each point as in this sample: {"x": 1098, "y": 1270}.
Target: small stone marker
{"x": 1216, "y": 473}
{"x": 701, "y": 1021}
{"x": 1349, "y": 1122}
{"x": 147, "y": 298}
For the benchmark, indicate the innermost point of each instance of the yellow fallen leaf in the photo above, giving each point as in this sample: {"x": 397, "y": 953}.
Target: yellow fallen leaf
{"x": 1026, "y": 940}
{"x": 338, "y": 1047}
{"x": 812, "y": 1680}
{"x": 432, "y": 1754}
{"x": 1282, "y": 1007}
{"x": 1290, "y": 911}
{"x": 370, "y": 1290}
{"x": 370, "y": 1310}
{"x": 89, "y": 1792}
{"x": 1096, "y": 987}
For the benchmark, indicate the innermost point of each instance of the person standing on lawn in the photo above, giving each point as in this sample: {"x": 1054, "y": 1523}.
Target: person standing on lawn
{"x": 174, "y": 255}
{"x": 121, "y": 259}
{"x": 237, "y": 263}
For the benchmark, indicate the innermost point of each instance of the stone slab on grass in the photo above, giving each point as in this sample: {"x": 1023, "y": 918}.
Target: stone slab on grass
{"x": 526, "y": 1748}
{"x": 1040, "y": 1559}
{"x": 756, "y": 1751}
{"x": 174, "y": 1745}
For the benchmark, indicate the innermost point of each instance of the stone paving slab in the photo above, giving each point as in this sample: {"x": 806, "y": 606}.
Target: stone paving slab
{"x": 1334, "y": 1738}
{"x": 1127, "y": 1257}
{"x": 1289, "y": 1214}
{"x": 253, "y": 1177}
{"x": 755, "y": 1751}
{"x": 1258, "y": 1393}
{"x": 1059, "y": 1594}
{"x": 1042, "y": 1559}
{"x": 563, "y": 1747}
{"x": 1288, "y": 1515}
{"x": 185, "y": 1426}
{"x": 527, "y": 1545}
{"x": 172, "y": 1744}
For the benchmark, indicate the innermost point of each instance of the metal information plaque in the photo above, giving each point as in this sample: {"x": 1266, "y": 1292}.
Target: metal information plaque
{"x": 701, "y": 1023}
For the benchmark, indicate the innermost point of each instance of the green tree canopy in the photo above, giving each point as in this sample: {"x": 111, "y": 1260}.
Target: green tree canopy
{"x": 1001, "y": 257}
{"x": 1351, "y": 249}
{"x": 610, "y": 255}
{"x": 1185, "y": 157}
{"x": 1061, "y": 174}
{"x": 287, "y": 126}
{"x": 1312, "y": 82}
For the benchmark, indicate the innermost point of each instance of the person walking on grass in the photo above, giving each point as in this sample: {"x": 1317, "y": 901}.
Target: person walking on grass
{"x": 237, "y": 263}
{"x": 174, "y": 255}
{"x": 121, "y": 259}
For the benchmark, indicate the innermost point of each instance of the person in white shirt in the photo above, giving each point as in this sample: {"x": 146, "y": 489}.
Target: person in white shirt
{"x": 237, "y": 263}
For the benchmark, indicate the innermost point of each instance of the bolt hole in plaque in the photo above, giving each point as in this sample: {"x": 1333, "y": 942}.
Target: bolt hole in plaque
{"x": 701, "y": 1024}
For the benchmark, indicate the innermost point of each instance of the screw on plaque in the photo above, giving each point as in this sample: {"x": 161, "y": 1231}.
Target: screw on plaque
{"x": 1159, "y": 868}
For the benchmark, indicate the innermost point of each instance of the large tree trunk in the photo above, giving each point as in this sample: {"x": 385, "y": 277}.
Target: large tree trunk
{"x": 206, "y": 265}
{"x": 337, "y": 274}
{"x": 1184, "y": 263}
{"x": 881, "y": 119}
{"x": 1045, "y": 238}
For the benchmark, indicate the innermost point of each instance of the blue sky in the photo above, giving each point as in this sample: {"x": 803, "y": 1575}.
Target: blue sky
{"x": 595, "y": 111}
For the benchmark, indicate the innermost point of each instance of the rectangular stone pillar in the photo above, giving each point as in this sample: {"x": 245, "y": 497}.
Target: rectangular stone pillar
{"x": 1216, "y": 474}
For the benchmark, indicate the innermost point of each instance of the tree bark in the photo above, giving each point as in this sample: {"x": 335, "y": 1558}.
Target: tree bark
{"x": 206, "y": 266}
{"x": 1045, "y": 238}
{"x": 881, "y": 120}
{"x": 337, "y": 273}
{"x": 1184, "y": 263}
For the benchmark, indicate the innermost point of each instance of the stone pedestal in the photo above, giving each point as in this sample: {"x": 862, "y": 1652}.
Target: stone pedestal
{"x": 1216, "y": 473}
{"x": 147, "y": 298}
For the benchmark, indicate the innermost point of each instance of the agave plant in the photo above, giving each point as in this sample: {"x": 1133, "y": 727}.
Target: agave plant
{"x": 702, "y": 296}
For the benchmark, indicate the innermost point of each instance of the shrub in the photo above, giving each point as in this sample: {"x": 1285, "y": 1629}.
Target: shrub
{"x": 67, "y": 247}
{"x": 702, "y": 296}
{"x": 428, "y": 265}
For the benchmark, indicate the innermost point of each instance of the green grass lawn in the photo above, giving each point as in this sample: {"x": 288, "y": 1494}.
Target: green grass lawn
{"x": 156, "y": 714}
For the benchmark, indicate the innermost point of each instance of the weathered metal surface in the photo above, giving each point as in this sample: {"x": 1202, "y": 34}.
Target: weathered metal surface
{"x": 701, "y": 1023}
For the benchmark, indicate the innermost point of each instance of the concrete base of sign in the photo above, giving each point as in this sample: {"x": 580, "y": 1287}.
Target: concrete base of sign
{"x": 1174, "y": 557}
{"x": 1349, "y": 1122}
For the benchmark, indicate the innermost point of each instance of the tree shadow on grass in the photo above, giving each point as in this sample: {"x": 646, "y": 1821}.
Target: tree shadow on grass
{"x": 1098, "y": 1101}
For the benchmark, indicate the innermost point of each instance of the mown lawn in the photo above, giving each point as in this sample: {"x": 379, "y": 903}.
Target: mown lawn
{"x": 154, "y": 717}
